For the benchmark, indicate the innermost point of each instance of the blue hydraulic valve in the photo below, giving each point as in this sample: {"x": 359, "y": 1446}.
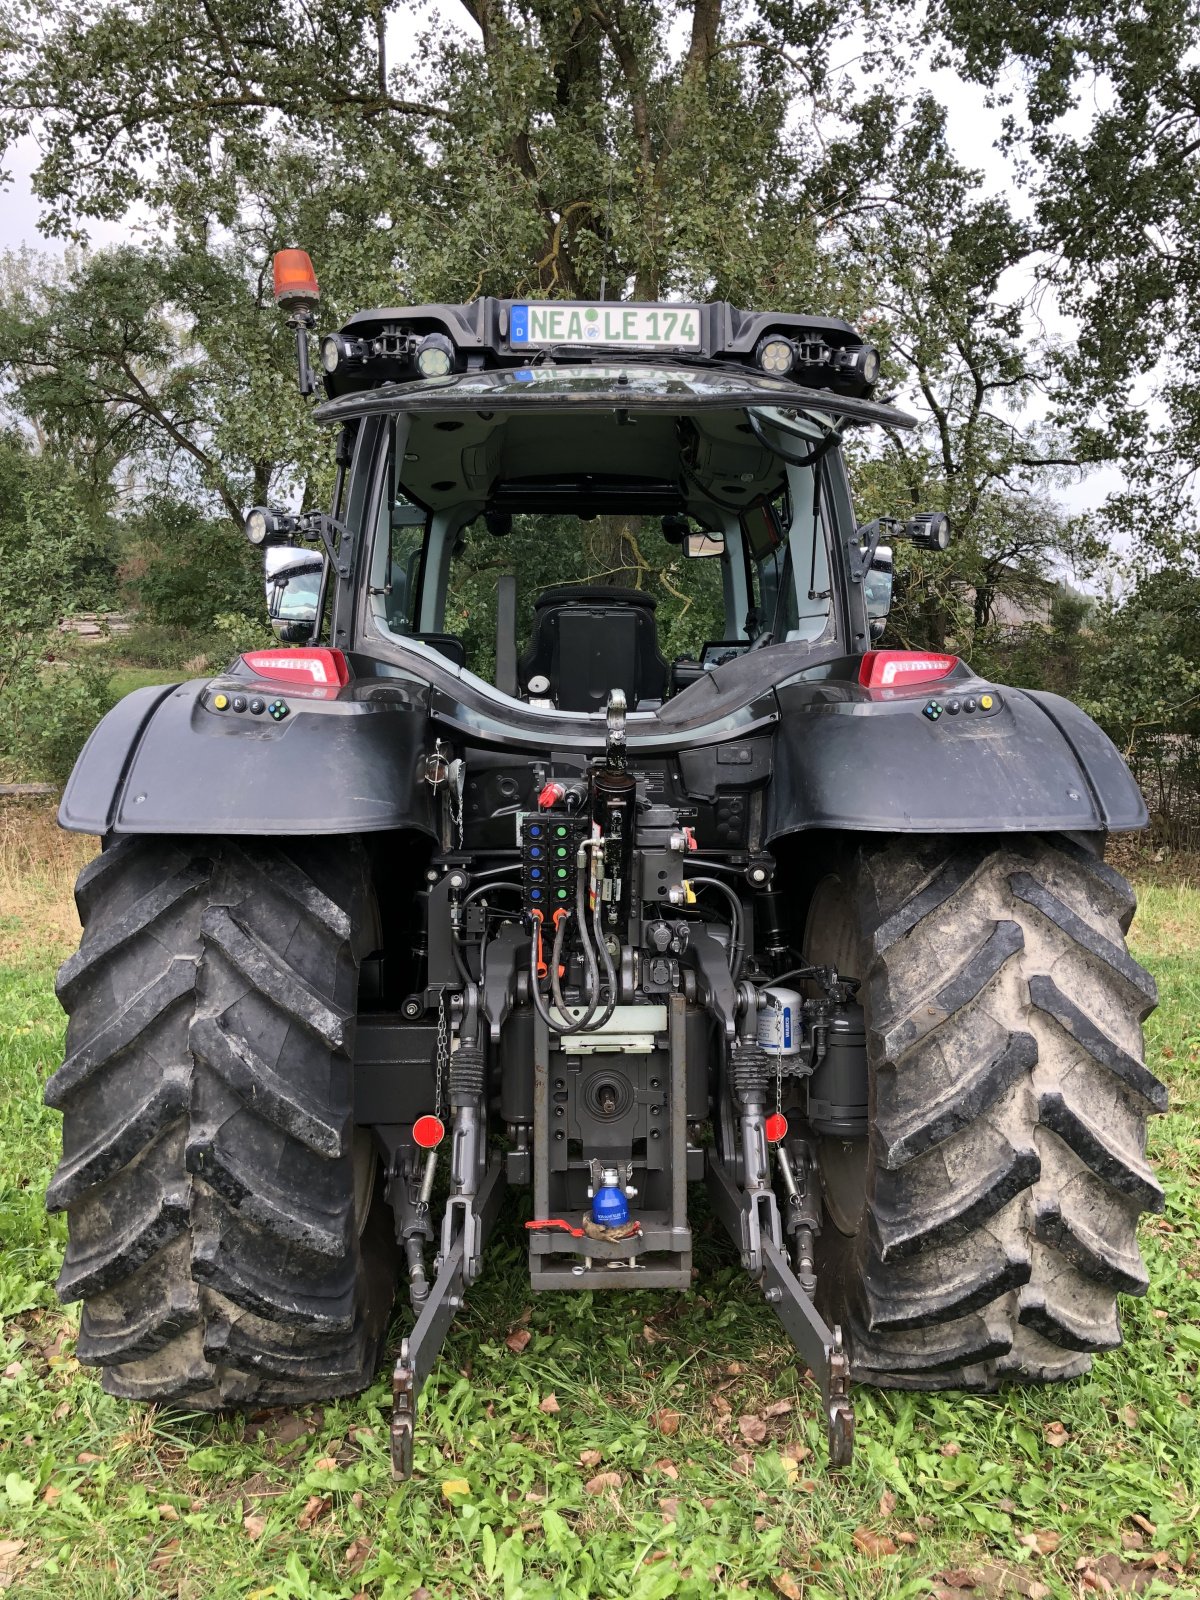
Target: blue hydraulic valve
{"x": 610, "y": 1208}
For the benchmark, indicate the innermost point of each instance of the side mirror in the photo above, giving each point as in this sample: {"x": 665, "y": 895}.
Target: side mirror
{"x": 294, "y": 580}
{"x": 696, "y": 546}
{"x": 877, "y": 588}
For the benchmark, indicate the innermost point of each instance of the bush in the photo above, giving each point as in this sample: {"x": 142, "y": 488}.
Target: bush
{"x": 185, "y": 568}
{"x": 46, "y": 716}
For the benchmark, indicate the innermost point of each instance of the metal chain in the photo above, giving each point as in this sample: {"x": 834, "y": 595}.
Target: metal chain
{"x": 443, "y": 1053}
{"x": 779, "y": 1082}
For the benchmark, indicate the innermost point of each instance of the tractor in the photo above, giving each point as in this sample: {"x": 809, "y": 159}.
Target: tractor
{"x": 581, "y": 836}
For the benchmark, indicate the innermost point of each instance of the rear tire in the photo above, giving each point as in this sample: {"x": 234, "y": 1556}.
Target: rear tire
{"x": 227, "y": 1233}
{"x": 986, "y": 1227}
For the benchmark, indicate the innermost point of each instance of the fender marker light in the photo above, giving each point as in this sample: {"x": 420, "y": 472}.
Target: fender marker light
{"x": 316, "y": 666}
{"x": 896, "y": 669}
{"x": 428, "y": 1132}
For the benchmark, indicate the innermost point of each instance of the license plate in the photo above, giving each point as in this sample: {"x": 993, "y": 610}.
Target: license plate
{"x": 633, "y": 327}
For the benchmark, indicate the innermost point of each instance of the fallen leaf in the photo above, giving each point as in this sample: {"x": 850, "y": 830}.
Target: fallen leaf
{"x": 906, "y": 1538}
{"x": 603, "y": 1481}
{"x": 358, "y": 1554}
{"x": 784, "y": 1584}
{"x": 1044, "y": 1541}
{"x": 1055, "y": 1435}
{"x": 778, "y": 1408}
{"x": 887, "y": 1503}
{"x": 325, "y": 1464}
{"x": 651, "y": 1334}
{"x": 590, "y": 1458}
{"x": 1144, "y": 1524}
{"x": 753, "y": 1429}
{"x": 721, "y": 1406}
{"x": 518, "y": 1339}
{"x": 167, "y": 1512}
{"x": 550, "y": 1405}
{"x": 164, "y": 1557}
{"x": 795, "y": 1451}
{"x": 667, "y": 1468}
{"x": 254, "y": 1526}
{"x": 315, "y": 1508}
{"x": 667, "y": 1422}
{"x": 1129, "y": 1415}
{"x": 1132, "y": 1541}
{"x": 761, "y": 1524}
{"x": 952, "y": 1449}
{"x": 743, "y": 1464}
{"x": 873, "y": 1544}
{"x": 957, "y": 1578}
{"x": 10, "y": 1548}
{"x": 63, "y": 1409}
{"x": 734, "y": 1369}
{"x": 14, "y": 1369}
{"x": 85, "y": 1458}
{"x": 669, "y": 1506}
{"x": 453, "y": 1486}
{"x": 50, "y": 1494}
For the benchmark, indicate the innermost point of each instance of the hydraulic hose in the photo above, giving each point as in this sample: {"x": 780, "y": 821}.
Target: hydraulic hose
{"x": 610, "y": 975}
{"x": 543, "y": 1010}
{"x": 735, "y": 932}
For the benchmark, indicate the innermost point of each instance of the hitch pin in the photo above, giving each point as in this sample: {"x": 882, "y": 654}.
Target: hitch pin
{"x": 426, "y": 1191}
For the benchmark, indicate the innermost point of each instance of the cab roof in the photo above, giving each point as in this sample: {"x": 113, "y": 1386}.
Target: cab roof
{"x": 380, "y": 346}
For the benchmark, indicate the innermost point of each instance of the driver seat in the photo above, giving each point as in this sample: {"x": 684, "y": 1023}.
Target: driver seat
{"x": 589, "y": 640}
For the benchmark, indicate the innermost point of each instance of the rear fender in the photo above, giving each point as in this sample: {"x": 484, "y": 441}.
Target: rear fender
{"x": 875, "y": 761}
{"x": 166, "y": 760}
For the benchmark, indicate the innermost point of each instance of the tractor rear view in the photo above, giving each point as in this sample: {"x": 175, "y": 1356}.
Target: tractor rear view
{"x": 500, "y": 871}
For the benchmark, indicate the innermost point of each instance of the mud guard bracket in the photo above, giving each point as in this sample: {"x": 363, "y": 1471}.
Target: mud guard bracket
{"x": 820, "y": 1346}
{"x": 421, "y": 1348}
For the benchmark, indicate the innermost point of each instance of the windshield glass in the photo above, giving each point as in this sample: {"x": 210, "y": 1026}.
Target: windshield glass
{"x": 559, "y": 555}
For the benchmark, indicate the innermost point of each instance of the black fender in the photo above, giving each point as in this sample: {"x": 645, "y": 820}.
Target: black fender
{"x": 878, "y": 761}
{"x": 166, "y": 760}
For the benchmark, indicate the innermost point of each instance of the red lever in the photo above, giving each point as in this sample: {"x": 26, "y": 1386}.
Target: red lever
{"x": 557, "y": 1222}
{"x": 550, "y": 795}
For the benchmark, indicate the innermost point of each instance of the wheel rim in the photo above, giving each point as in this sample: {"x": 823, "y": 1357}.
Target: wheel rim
{"x": 831, "y": 939}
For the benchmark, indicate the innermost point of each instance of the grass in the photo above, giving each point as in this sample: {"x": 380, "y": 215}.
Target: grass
{"x": 693, "y": 1404}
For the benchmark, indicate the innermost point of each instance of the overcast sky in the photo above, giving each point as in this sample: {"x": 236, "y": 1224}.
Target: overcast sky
{"x": 973, "y": 132}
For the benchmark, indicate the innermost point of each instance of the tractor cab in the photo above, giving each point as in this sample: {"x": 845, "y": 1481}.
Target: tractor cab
{"x": 557, "y": 499}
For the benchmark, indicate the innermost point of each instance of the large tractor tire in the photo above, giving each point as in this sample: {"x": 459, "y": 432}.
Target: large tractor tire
{"x": 984, "y": 1229}
{"x": 227, "y": 1234}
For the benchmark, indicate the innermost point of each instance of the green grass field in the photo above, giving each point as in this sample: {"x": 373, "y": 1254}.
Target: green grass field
{"x": 577, "y": 1446}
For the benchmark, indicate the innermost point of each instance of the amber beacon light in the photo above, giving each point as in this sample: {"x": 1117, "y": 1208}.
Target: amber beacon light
{"x": 295, "y": 280}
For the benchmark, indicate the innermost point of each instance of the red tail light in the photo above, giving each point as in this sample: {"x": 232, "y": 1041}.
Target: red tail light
{"x": 323, "y": 668}
{"x": 896, "y": 669}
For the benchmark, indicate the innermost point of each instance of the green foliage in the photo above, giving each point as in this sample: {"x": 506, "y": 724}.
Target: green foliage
{"x": 55, "y": 558}
{"x": 186, "y": 568}
{"x": 1140, "y": 679}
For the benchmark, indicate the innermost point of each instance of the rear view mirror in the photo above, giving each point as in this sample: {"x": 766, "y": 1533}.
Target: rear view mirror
{"x": 698, "y": 545}
{"x": 877, "y": 588}
{"x": 294, "y": 580}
